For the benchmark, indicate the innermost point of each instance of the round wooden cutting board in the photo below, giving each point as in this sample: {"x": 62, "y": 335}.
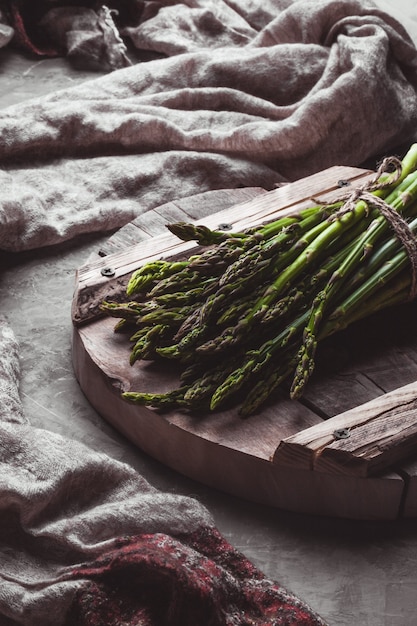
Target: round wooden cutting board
{"x": 346, "y": 449}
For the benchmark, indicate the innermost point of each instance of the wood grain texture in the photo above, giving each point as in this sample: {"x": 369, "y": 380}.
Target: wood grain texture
{"x": 224, "y": 452}
{"x": 366, "y": 360}
{"x": 184, "y": 210}
{"x": 360, "y": 442}
{"x": 257, "y": 436}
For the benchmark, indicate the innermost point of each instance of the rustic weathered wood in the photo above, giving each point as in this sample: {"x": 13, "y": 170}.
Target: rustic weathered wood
{"x": 359, "y": 442}
{"x": 270, "y": 458}
{"x": 255, "y": 436}
{"x": 185, "y": 210}
{"x": 222, "y": 451}
{"x": 364, "y": 361}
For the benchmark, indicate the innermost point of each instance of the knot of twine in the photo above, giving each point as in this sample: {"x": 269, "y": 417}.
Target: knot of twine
{"x": 395, "y": 220}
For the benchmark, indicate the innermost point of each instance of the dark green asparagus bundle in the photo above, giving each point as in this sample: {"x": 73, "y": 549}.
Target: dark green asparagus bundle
{"x": 247, "y": 312}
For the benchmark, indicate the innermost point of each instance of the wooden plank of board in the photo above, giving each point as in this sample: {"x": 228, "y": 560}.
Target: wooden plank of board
{"x": 360, "y": 442}
{"x": 183, "y": 210}
{"x": 201, "y": 205}
{"x": 225, "y": 453}
{"x": 257, "y": 436}
{"x": 366, "y": 360}
{"x": 92, "y": 286}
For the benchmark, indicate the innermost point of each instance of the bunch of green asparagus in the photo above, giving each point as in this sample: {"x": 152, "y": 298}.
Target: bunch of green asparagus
{"x": 246, "y": 313}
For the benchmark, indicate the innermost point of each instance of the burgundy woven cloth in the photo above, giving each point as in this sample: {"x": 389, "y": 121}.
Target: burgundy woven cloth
{"x": 159, "y": 580}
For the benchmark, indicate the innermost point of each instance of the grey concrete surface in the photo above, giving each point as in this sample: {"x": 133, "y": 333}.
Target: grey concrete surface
{"x": 352, "y": 573}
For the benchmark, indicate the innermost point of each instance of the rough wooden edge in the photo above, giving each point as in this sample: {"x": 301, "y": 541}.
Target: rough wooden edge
{"x": 360, "y": 442}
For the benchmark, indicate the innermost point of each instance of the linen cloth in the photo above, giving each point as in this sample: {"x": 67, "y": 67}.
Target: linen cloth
{"x": 250, "y": 94}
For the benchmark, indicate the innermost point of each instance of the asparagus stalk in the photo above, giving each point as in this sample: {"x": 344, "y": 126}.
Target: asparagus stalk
{"x": 249, "y": 311}
{"x": 365, "y": 242}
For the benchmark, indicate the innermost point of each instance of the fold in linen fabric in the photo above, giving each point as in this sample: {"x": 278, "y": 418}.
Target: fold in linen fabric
{"x": 86, "y": 541}
{"x": 294, "y": 88}
{"x": 404, "y": 11}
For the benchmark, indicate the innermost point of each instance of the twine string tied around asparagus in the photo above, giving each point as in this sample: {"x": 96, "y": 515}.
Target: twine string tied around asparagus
{"x": 396, "y": 221}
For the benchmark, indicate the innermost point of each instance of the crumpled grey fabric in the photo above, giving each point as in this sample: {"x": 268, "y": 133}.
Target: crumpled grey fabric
{"x": 88, "y": 38}
{"x": 61, "y": 505}
{"x": 173, "y": 26}
{"x": 323, "y": 82}
{"x": 317, "y": 83}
